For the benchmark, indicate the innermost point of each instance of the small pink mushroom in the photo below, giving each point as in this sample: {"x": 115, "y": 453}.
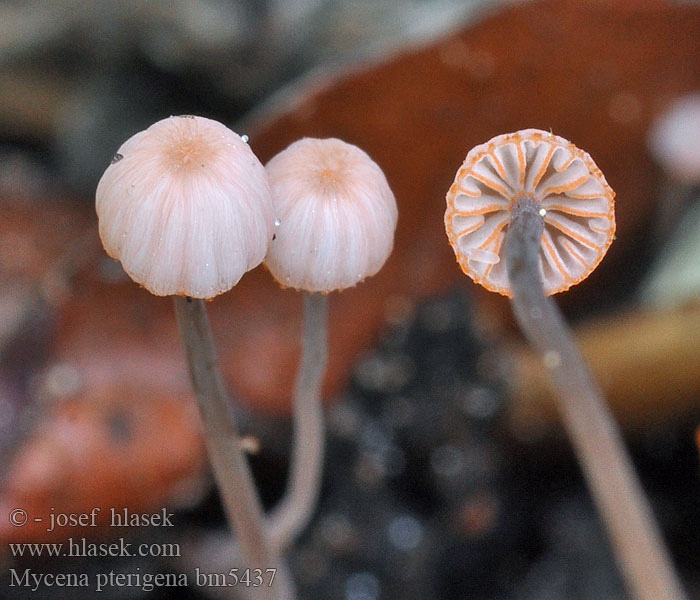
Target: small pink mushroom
{"x": 336, "y": 221}
{"x": 186, "y": 207}
{"x": 529, "y": 215}
{"x": 571, "y": 194}
{"x": 336, "y": 212}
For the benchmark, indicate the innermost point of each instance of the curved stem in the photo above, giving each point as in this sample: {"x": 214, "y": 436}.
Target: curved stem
{"x": 304, "y": 482}
{"x": 634, "y": 534}
{"x": 231, "y": 471}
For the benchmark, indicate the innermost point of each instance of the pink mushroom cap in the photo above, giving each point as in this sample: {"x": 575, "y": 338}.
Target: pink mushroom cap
{"x": 336, "y": 215}
{"x": 575, "y": 201}
{"x": 185, "y": 206}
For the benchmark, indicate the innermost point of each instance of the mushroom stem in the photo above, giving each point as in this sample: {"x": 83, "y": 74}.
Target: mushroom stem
{"x": 634, "y": 534}
{"x": 304, "y": 482}
{"x": 231, "y": 471}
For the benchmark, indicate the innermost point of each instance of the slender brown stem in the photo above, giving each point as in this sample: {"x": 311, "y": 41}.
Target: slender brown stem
{"x": 231, "y": 471}
{"x": 635, "y": 537}
{"x": 306, "y": 466}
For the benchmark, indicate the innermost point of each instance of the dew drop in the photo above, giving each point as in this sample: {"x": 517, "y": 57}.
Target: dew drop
{"x": 245, "y": 138}
{"x": 278, "y": 222}
{"x": 542, "y": 212}
{"x": 116, "y": 158}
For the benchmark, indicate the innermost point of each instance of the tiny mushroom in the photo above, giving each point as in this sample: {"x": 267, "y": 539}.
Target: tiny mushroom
{"x": 336, "y": 217}
{"x": 185, "y": 206}
{"x": 571, "y": 194}
{"x": 529, "y": 215}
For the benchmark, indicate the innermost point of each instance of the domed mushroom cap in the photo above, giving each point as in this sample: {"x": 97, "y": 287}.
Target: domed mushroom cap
{"x": 186, "y": 207}
{"x": 336, "y": 215}
{"x": 577, "y": 206}
{"x": 674, "y": 139}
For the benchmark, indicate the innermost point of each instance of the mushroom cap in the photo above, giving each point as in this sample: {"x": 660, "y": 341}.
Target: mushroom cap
{"x": 336, "y": 215}
{"x": 577, "y": 206}
{"x": 186, "y": 207}
{"x": 674, "y": 139}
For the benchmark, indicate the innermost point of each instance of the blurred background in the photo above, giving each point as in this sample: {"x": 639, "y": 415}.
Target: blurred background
{"x": 447, "y": 474}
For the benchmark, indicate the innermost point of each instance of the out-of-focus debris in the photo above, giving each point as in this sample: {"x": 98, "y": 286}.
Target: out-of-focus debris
{"x": 673, "y": 142}
{"x": 673, "y": 139}
{"x": 648, "y": 364}
{"x": 42, "y": 245}
{"x": 105, "y": 444}
{"x": 675, "y": 278}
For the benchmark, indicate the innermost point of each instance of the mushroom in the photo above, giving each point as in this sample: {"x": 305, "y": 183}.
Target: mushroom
{"x": 185, "y": 207}
{"x": 529, "y": 215}
{"x": 336, "y": 217}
